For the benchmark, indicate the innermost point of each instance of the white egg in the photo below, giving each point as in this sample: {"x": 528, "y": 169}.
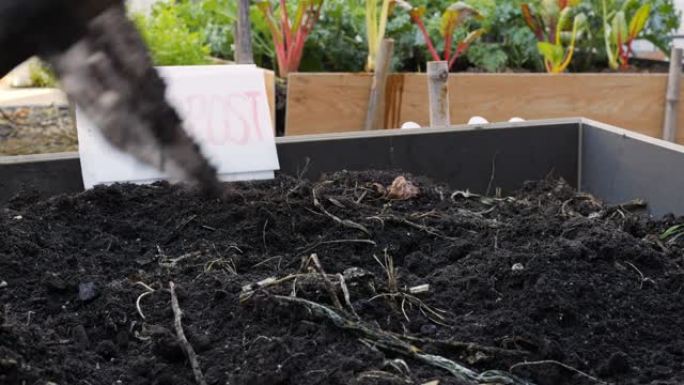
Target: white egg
{"x": 478, "y": 120}
{"x": 409, "y": 125}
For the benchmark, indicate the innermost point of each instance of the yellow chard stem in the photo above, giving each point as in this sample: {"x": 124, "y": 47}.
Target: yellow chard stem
{"x": 384, "y": 15}
{"x": 571, "y": 49}
{"x": 371, "y": 28}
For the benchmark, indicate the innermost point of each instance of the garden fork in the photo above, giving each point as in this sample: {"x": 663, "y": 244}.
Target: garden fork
{"x": 104, "y": 67}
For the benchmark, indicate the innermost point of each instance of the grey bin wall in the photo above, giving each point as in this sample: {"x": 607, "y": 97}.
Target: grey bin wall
{"x": 615, "y": 165}
{"x": 618, "y": 166}
{"x": 461, "y": 158}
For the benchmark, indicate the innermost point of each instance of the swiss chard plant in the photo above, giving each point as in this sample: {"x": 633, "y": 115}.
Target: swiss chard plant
{"x": 289, "y": 35}
{"x": 557, "y": 25}
{"x": 376, "y": 25}
{"x": 455, "y": 16}
{"x": 619, "y": 33}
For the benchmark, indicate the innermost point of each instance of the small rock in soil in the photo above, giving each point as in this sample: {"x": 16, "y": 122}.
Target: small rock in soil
{"x": 122, "y": 339}
{"x": 106, "y": 349}
{"x": 428, "y": 329}
{"x": 81, "y": 337}
{"x": 7, "y": 365}
{"x": 87, "y": 291}
{"x": 617, "y": 364}
{"x": 3, "y": 284}
{"x": 166, "y": 346}
{"x": 518, "y": 267}
{"x": 54, "y": 283}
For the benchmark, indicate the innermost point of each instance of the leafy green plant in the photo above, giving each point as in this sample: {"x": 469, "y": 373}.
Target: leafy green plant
{"x": 376, "y": 25}
{"x": 672, "y": 233}
{"x": 453, "y": 17}
{"x": 289, "y": 36}
{"x": 170, "y": 40}
{"x": 618, "y": 33}
{"x": 41, "y": 75}
{"x": 213, "y": 20}
{"x": 556, "y": 30}
{"x": 337, "y": 44}
{"x": 507, "y": 37}
{"x": 664, "y": 21}
{"x": 489, "y": 57}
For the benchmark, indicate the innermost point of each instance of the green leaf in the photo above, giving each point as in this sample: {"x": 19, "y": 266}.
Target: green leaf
{"x": 563, "y": 23}
{"x": 455, "y": 15}
{"x": 551, "y": 52}
{"x": 619, "y": 29}
{"x": 487, "y": 56}
{"x": 674, "y": 230}
{"x": 549, "y": 11}
{"x": 638, "y": 22}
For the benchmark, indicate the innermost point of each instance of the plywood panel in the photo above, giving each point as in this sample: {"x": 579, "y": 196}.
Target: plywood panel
{"x": 326, "y": 103}
{"x": 323, "y": 103}
{"x": 269, "y": 79}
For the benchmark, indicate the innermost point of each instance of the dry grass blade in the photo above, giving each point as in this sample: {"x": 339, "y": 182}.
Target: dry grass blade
{"x": 426, "y": 229}
{"x": 553, "y": 362}
{"x": 148, "y": 291}
{"x": 391, "y": 272}
{"x": 344, "y": 222}
{"x": 384, "y": 340}
{"x": 249, "y": 290}
{"x": 383, "y": 377}
{"x": 468, "y": 347}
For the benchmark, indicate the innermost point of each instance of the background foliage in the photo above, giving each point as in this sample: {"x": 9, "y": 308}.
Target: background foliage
{"x": 191, "y": 31}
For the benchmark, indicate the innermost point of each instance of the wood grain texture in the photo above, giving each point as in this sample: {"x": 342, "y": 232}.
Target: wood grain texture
{"x": 269, "y": 79}
{"x": 337, "y": 102}
{"x": 376, "y": 103}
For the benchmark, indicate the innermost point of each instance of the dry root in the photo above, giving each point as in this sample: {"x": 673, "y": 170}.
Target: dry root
{"x": 187, "y": 348}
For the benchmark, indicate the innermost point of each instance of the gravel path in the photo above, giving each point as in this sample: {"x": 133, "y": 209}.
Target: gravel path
{"x": 36, "y": 130}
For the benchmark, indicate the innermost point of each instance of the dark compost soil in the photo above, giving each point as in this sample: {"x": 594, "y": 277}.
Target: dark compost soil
{"x": 549, "y": 285}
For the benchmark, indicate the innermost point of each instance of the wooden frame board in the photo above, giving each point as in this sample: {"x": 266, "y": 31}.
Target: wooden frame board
{"x": 321, "y": 103}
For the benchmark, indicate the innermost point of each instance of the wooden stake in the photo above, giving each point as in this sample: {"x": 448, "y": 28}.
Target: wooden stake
{"x": 672, "y": 98}
{"x": 438, "y": 92}
{"x": 243, "y": 35}
{"x": 376, "y": 103}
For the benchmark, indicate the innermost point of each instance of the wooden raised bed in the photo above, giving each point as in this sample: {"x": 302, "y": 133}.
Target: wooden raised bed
{"x": 336, "y": 102}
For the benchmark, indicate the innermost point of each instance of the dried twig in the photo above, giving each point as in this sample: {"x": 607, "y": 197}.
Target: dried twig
{"x": 553, "y": 362}
{"x": 189, "y": 351}
{"x": 392, "y": 342}
{"x": 427, "y": 229}
{"x": 469, "y": 347}
{"x": 347, "y": 296}
{"x": 171, "y": 263}
{"x": 383, "y": 339}
{"x": 383, "y": 377}
{"x": 328, "y": 284}
{"x": 344, "y": 222}
{"x": 492, "y": 175}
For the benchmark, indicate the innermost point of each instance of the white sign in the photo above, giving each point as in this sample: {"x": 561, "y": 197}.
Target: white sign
{"x": 225, "y": 109}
